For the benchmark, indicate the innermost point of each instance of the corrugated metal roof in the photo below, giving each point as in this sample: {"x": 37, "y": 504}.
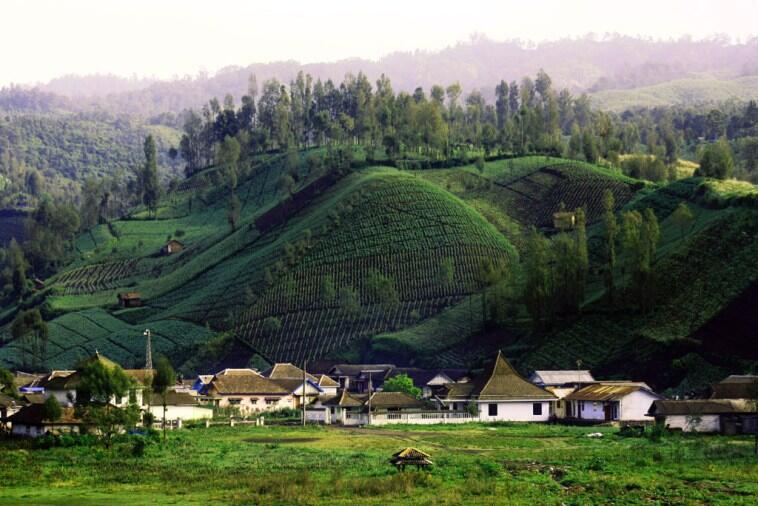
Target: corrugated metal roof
{"x": 608, "y": 391}
{"x": 563, "y": 377}
{"x": 703, "y": 407}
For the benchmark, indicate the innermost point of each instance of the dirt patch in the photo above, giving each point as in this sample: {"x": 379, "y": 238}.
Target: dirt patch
{"x": 274, "y": 440}
{"x": 516, "y": 467}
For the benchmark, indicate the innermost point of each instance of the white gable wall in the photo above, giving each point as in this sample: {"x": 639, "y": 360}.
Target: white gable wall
{"x": 694, "y": 423}
{"x": 514, "y": 411}
{"x": 635, "y": 405}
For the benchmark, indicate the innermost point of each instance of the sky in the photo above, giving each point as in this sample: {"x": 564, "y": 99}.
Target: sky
{"x": 43, "y": 39}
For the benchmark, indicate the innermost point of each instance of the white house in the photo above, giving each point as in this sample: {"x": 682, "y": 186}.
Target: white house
{"x": 561, "y": 384}
{"x": 608, "y": 401}
{"x": 290, "y": 377}
{"x": 247, "y": 391}
{"x": 703, "y": 415}
{"x": 430, "y": 380}
{"x": 499, "y": 394}
{"x": 30, "y": 422}
{"x": 179, "y": 406}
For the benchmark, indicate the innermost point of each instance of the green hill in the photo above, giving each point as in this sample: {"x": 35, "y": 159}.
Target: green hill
{"x": 382, "y": 264}
{"x": 691, "y": 91}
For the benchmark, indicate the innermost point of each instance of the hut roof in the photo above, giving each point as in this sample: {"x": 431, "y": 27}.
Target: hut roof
{"x": 129, "y": 295}
{"x": 608, "y": 391}
{"x": 499, "y": 381}
{"x": 33, "y": 414}
{"x": 287, "y": 371}
{"x": 703, "y": 407}
{"x": 562, "y": 377}
{"x": 390, "y": 400}
{"x": 344, "y": 399}
{"x": 411, "y": 456}
{"x": 244, "y": 384}
{"x": 736, "y": 386}
{"x": 326, "y": 381}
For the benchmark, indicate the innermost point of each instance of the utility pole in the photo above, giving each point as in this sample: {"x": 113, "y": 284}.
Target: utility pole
{"x": 370, "y": 387}
{"x": 305, "y": 364}
{"x": 148, "y": 352}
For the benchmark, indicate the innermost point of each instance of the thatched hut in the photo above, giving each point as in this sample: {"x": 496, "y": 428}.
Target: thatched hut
{"x": 410, "y": 457}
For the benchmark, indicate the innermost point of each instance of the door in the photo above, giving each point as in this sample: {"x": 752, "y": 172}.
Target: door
{"x": 607, "y": 411}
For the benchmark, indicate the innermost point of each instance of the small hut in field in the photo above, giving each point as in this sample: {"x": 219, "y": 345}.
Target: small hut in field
{"x": 129, "y": 299}
{"x": 171, "y": 247}
{"x": 410, "y": 457}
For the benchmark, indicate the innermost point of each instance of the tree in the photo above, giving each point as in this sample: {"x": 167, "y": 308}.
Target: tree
{"x": 164, "y": 378}
{"x": 328, "y": 290}
{"x": 716, "y": 160}
{"x": 29, "y": 326}
{"x": 7, "y": 385}
{"x": 682, "y": 217}
{"x": 589, "y": 147}
{"x": 227, "y": 158}
{"x": 99, "y": 386}
{"x": 537, "y": 292}
{"x": 285, "y": 183}
{"x": 382, "y": 289}
{"x": 51, "y": 409}
{"x": 349, "y": 301}
{"x": 233, "y": 214}
{"x": 271, "y": 325}
{"x": 609, "y": 236}
{"x": 401, "y": 383}
{"x": 149, "y": 179}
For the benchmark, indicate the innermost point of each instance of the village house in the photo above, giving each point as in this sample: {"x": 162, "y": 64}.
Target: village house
{"x": 348, "y": 408}
{"x": 8, "y": 406}
{"x": 726, "y": 416}
{"x": 393, "y": 407}
{"x": 180, "y": 406}
{"x": 341, "y": 408}
{"x": 171, "y": 247}
{"x": 290, "y": 377}
{"x": 499, "y": 394}
{"x": 431, "y": 381}
{"x": 561, "y": 384}
{"x": 736, "y": 386}
{"x": 247, "y": 391}
{"x": 129, "y": 299}
{"x": 611, "y": 401}
{"x": 360, "y": 378}
{"x": 29, "y": 421}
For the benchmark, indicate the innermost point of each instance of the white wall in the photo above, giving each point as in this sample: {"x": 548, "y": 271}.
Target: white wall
{"x": 514, "y": 411}
{"x": 181, "y": 412}
{"x": 634, "y": 406}
{"x": 689, "y": 423}
{"x": 256, "y": 403}
{"x": 589, "y": 410}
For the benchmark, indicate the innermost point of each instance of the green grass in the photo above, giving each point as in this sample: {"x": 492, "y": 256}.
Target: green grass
{"x": 473, "y": 464}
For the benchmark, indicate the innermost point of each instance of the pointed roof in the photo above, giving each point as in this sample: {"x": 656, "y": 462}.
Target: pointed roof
{"x": 343, "y": 399}
{"x": 501, "y": 381}
{"x": 326, "y": 381}
{"x": 287, "y": 371}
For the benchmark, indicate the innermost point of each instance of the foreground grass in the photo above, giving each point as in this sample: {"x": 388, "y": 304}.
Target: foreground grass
{"x": 476, "y": 464}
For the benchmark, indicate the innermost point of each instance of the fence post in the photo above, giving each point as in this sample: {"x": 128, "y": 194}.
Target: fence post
{"x": 231, "y": 422}
{"x": 207, "y": 423}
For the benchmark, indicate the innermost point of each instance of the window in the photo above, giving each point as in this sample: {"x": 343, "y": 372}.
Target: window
{"x": 270, "y": 402}
{"x": 234, "y": 402}
{"x": 492, "y": 409}
{"x": 537, "y": 409}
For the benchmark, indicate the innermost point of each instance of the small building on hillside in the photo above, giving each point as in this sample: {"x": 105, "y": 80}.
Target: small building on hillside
{"x": 499, "y": 394}
{"x": 29, "y": 421}
{"x": 59, "y": 384}
{"x": 728, "y": 416}
{"x": 327, "y": 385}
{"x": 129, "y": 299}
{"x": 561, "y": 384}
{"x": 8, "y": 406}
{"x": 611, "y": 401}
{"x": 564, "y": 220}
{"x": 342, "y": 408}
{"x": 179, "y": 406}
{"x": 171, "y": 247}
{"x": 247, "y": 391}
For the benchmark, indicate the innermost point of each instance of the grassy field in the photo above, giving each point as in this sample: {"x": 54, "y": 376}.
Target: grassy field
{"x": 473, "y": 464}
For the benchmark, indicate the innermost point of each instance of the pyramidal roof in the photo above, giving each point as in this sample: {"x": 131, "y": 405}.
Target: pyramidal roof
{"x": 501, "y": 381}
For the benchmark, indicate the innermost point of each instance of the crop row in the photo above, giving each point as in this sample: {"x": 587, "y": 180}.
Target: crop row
{"x": 93, "y": 278}
{"x": 312, "y": 334}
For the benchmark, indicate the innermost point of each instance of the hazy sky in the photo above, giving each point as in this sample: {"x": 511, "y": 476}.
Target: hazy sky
{"x": 42, "y": 39}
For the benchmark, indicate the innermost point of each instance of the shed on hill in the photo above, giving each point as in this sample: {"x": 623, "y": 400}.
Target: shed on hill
{"x": 410, "y": 457}
{"x": 129, "y": 299}
{"x": 172, "y": 246}
{"x": 564, "y": 220}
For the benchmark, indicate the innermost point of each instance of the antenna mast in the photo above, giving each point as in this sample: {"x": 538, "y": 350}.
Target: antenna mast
{"x": 148, "y": 351}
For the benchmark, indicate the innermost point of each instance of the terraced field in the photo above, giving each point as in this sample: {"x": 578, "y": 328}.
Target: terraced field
{"x": 403, "y": 228}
